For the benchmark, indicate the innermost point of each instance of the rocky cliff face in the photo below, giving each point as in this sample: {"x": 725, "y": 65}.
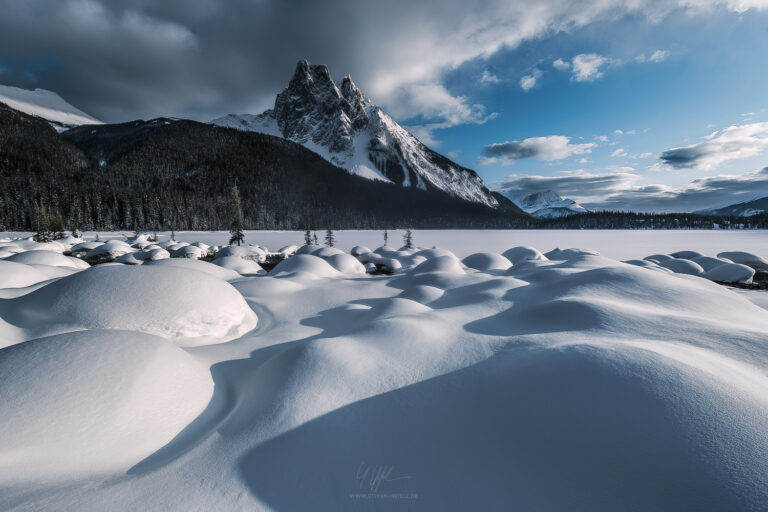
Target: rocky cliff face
{"x": 349, "y": 130}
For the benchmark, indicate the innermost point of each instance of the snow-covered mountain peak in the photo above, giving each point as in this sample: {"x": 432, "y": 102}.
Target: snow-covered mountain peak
{"x": 346, "y": 128}
{"x": 46, "y": 105}
{"x": 549, "y": 204}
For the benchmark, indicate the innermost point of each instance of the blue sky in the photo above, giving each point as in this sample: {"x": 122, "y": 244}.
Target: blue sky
{"x": 620, "y": 123}
{"x": 661, "y": 85}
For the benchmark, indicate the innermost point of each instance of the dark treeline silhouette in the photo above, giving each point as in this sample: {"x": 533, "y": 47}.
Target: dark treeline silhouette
{"x": 176, "y": 174}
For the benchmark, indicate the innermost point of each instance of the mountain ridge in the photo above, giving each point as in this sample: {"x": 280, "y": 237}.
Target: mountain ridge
{"x": 346, "y": 128}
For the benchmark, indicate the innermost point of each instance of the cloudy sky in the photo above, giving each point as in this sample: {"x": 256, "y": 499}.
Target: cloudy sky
{"x": 626, "y": 104}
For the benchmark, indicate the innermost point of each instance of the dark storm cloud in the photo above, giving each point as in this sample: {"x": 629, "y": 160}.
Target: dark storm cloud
{"x": 120, "y": 59}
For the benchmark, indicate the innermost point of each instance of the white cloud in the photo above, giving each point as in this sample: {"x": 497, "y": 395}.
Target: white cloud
{"x": 561, "y": 65}
{"x": 553, "y": 147}
{"x": 620, "y": 152}
{"x": 489, "y": 78}
{"x": 655, "y": 57}
{"x": 528, "y": 82}
{"x": 734, "y": 142}
{"x": 601, "y": 138}
{"x": 586, "y": 67}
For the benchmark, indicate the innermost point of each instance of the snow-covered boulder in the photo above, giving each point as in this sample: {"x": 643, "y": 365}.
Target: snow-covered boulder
{"x": 190, "y": 252}
{"x": 189, "y": 308}
{"x": 523, "y": 253}
{"x": 568, "y": 254}
{"x": 91, "y": 403}
{"x": 708, "y": 262}
{"x": 18, "y": 275}
{"x": 197, "y": 265}
{"x": 445, "y": 264}
{"x": 288, "y": 251}
{"x": 484, "y": 261}
{"x": 359, "y": 250}
{"x": 325, "y": 252}
{"x": 246, "y": 252}
{"x": 390, "y": 265}
{"x": 370, "y": 268}
{"x": 745, "y": 258}
{"x": 242, "y": 266}
{"x": 345, "y": 263}
{"x": 658, "y": 258}
{"x": 682, "y": 266}
{"x": 304, "y": 264}
{"x": 82, "y": 248}
{"x": 52, "y": 259}
{"x": 686, "y": 255}
{"x": 731, "y": 273}
{"x": 308, "y": 249}
{"x": 108, "y": 251}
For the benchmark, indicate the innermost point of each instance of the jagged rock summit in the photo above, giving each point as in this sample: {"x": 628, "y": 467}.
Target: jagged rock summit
{"x": 346, "y": 128}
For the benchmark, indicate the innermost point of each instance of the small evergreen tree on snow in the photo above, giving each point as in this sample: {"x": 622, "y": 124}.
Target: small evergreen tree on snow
{"x": 386, "y": 237}
{"x": 43, "y": 225}
{"x": 57, "y": 227}
{"x": 236, "y": 228}
{"x": 307, "y": 237}
{"x": 408, "y": 239}
{"x": 173, "y": 235}
{"x": 136, "y": 230}
{"x": 329, "y": 239}
{"x": 314, "y": 239}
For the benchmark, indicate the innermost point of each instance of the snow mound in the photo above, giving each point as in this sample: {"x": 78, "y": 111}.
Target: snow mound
{"x": 189, "y": 308}
{"x": 745, "y": 258}
{"x": 191, "y": 252}
{"x": 686, "y": 255}
{"x": 200, "y": 266}
{"x": 308, "y": 249}
{"x": 240, "y": 265}
{"x": 47, "y": 258}
{"x": 708, "y": 262}
{"x": 447, "y": 264}
{"x": 325, "y": 252}
{"x": 92, "y": 403}
{"x": 523, "y": 253}
{"x": 345, "y": 263}
{"x": 730, "y": 273}
{"x": 682, "y": 266}
{"x": 485, "y": 261}
{"x": 18, "y": 275}
{"x": 247, "y": 252}
{"x": 304, "y": 264}
{"x": 568, "y": 254}
{"x": 359, "y": 250}
{"x": 108, "y": 251}
{"x": 658, "y": 258}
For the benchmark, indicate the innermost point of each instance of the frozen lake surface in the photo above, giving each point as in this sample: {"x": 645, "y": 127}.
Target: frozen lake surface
{"x": 616, "y": 244}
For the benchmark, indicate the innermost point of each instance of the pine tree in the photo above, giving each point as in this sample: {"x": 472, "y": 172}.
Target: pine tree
{"x": 408, "y": 239}
{"x": 314, "y": 239}
{"x": 136, "y": 230}
{"x": 236, "y": 228}
{"x": 307, "y": 238}
{"x": 43, "y": 225}
{"x": 386, "y": 237}
{"x": 57, "y": 226}
{"x": 329, "y": 239}
{"x": 173, "y": 235}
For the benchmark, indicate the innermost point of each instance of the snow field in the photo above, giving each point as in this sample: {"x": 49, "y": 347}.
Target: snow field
{"x": 539, "y": 380}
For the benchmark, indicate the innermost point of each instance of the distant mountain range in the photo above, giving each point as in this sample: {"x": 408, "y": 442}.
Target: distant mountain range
{"x": 548, "y": 204}
{"x": 745, "y": 209}
{"x": 343, "y": 126}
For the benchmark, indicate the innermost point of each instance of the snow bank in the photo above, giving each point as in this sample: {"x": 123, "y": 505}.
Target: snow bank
{"x": 190, "y": 308}
{"x": 345, "y": 263}
{"x": 47, "y": 258}
{"x": 18, "y": 275}
{"x": 745, "y": 258}
{"x": 730, "y": 273}
{"x": 522, "y": 253}
{"x": 240, "y": 265}
{"x": 92, "y": 403}
{"x": 485, "y": 261}
{"x": 682, "y": 266}
{"x": 196, "y": 265}
{"x": 304, "y": 264}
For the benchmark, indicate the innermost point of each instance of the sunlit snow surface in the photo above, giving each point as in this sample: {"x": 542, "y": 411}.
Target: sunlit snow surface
{"x": 475, "y": 377}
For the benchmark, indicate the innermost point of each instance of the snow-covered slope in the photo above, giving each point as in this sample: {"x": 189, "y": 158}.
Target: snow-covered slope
{"x": 348, "y": 130}
{"x": 549, "y": 204}
{"x": 746, "y": 208}
{"x": 47, "y": 105}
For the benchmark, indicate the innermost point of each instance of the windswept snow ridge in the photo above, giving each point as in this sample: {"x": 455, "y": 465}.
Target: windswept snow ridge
{"x": 539, "y": 381}
{"x": 47, "y": 105}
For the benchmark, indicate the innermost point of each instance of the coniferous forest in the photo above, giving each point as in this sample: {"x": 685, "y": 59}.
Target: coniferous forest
{"x": 177, "y": 174}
